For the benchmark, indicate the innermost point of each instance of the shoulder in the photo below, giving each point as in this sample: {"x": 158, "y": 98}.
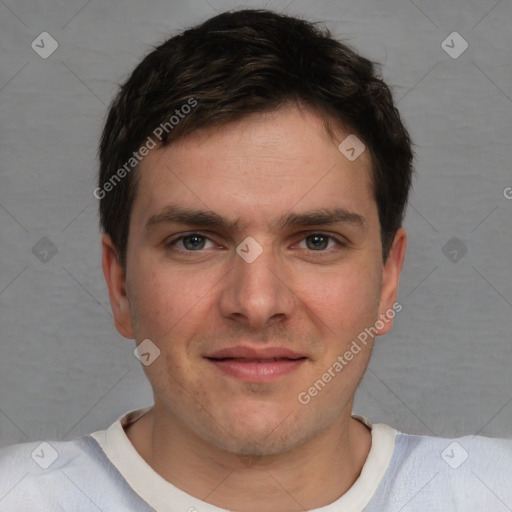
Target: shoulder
{"x": 468, "y": 472}
{"x": 51, "y": 475}
{"x": 39, "y": 454}
{"x": 456, "y": 452}
{"x": 38, "y": 475}
{"x": 29, "y": 470}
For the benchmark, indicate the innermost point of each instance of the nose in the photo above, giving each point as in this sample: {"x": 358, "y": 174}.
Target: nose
{"x": 256, "y": 292}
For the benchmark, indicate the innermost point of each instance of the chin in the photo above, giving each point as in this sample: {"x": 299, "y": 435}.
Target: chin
{"x": 258, "y": 436}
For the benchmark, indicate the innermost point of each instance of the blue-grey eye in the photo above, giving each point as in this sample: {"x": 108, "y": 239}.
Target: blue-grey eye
{"x": 318, "y": 242}
{"x": 192, "y": 242}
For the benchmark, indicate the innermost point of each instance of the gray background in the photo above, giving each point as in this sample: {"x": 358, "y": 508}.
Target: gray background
{"x": 445, "y": 368}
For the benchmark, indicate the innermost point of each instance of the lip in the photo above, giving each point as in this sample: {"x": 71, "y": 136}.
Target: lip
{"x": 256, "y": 365}
{"x": 255, "y": 353}
{"x": 253, "y": 371}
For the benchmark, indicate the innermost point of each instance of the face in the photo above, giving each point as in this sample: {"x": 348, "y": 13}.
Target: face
{"x": 254, "y": 261}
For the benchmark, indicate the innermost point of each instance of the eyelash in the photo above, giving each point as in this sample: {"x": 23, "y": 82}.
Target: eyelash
{"x": 340, "y": 243}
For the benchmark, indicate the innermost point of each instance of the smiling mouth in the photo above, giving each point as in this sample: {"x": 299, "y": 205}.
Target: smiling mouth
{"x": 257, "y": 369}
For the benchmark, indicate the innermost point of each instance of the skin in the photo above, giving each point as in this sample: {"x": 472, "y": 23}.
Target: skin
{"x": 211, "y": 434}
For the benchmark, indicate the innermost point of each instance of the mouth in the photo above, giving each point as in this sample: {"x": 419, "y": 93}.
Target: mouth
{"x": 256, "y": 360}
{"x": 254, "y": 368}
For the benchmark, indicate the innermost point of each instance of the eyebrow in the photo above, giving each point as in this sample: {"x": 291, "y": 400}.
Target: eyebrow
{"x": 210, "y": 219}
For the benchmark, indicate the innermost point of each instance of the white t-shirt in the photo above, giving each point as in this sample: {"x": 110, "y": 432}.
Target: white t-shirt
{"x": 407, "y": 473}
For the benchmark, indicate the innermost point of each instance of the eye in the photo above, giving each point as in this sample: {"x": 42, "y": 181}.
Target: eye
{"x": 319, "y": 242}
{"x": 191, "y": 242}
{"x": 195, "y": 242}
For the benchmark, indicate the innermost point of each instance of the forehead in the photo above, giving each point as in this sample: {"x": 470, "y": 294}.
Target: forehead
{"x": 266, "y": 162}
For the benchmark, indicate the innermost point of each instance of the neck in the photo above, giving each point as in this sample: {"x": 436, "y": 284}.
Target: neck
{"x": 313, "y": 475}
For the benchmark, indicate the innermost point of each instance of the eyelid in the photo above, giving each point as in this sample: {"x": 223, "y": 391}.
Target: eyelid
{"x": 340, "y": 239}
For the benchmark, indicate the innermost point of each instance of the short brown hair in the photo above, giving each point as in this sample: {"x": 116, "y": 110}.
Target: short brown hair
{"x": 242, "y": 62}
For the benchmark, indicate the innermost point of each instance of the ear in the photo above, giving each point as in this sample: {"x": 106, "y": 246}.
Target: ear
{"x": 116, "y": 283}
{"x": 390, "y": 280}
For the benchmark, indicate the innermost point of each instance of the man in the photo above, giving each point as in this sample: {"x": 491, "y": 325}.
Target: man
{"x": 253, "y": 178}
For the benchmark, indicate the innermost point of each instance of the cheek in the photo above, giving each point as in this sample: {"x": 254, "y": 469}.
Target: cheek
{"x": 165, "y": 300}
{"x": 155, "y": 302}
{"x": 345, "y": 299}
